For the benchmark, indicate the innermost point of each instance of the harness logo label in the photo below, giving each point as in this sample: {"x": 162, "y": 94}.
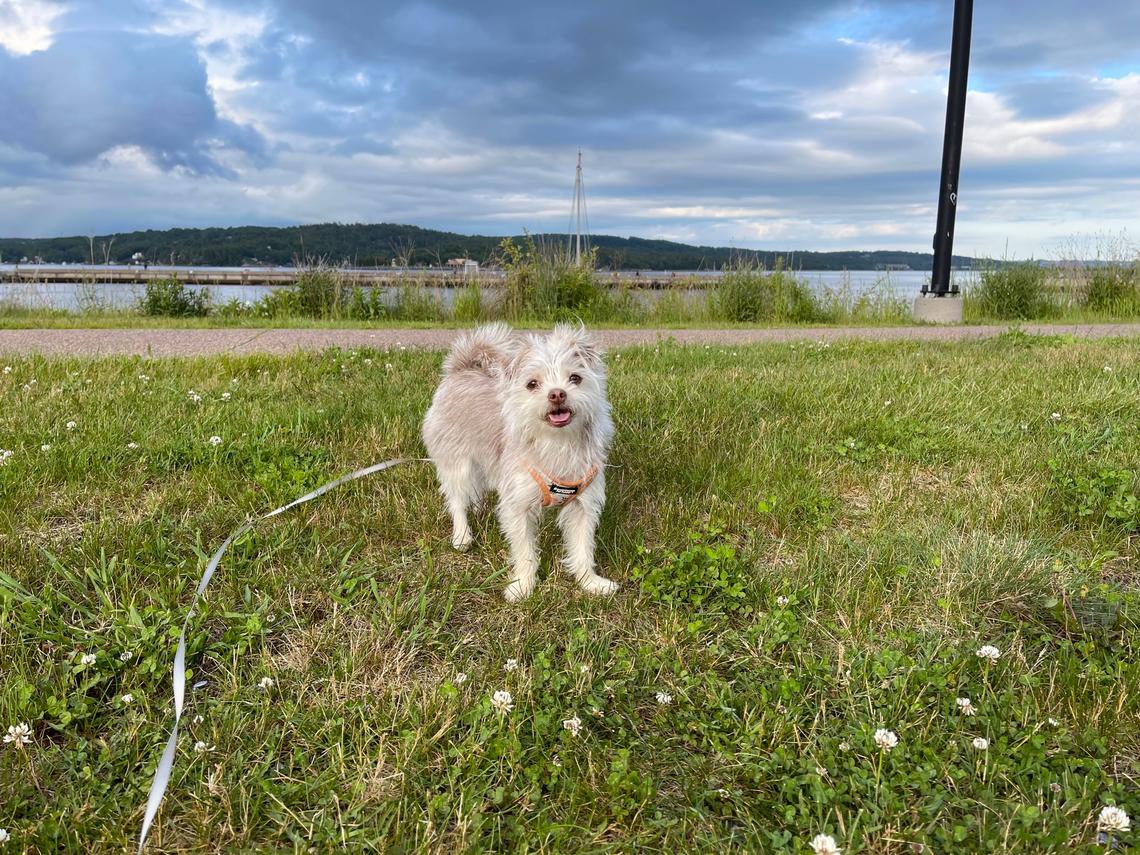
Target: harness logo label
{"x": 563, "y": 490}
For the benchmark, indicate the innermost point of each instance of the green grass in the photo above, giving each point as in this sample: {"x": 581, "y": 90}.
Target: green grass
{"x": 912, "y": 503}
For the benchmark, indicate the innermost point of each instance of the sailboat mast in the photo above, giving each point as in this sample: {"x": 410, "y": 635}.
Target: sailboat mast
{"x": 578, "y": 217}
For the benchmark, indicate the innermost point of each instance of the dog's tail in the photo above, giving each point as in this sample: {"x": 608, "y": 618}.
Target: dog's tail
{"x": 482, "y": 349}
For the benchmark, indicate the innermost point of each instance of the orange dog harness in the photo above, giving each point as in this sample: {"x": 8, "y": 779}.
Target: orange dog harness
{"x": 558, "y": 493}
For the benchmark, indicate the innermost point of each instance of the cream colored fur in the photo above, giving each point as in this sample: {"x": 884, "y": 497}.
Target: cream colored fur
{"x": 490, "y": 422}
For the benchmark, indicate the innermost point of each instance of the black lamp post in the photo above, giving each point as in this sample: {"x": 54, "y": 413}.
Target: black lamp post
{"x": 940, "y": 283}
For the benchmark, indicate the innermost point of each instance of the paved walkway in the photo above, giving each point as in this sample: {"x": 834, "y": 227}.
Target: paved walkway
{"x": 203, "y": 342}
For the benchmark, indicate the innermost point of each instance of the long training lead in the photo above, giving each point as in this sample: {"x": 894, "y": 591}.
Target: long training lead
{"x": 166, "y": 764}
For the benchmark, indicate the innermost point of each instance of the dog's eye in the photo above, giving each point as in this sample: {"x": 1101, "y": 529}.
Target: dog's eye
{"x": 575, "y": 379}
{"x": 532, "y": 384}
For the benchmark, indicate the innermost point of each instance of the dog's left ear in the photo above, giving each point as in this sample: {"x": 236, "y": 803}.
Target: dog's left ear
{"x": 581, "y": 343}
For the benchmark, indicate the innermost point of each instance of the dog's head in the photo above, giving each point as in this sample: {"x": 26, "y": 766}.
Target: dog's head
{"x": 555, "y": 384}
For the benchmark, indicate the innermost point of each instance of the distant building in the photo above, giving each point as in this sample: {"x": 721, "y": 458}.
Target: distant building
{"x": 138, "y": 258}
{"x": 466, "y": 266}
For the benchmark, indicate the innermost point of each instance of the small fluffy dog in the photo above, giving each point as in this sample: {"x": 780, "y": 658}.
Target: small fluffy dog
{"x": 526, "y": 416}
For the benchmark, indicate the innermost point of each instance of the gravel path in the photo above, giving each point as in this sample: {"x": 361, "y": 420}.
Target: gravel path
{"x": 203, "y": 342}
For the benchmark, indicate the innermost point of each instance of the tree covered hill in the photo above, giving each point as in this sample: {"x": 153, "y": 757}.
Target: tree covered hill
{"x": 369, "y": 245}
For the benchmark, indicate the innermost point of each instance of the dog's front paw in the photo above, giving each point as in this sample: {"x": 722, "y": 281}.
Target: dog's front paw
{"x": 461, "y": 541}
{"x": 519, "y": 589}
{"x": 599, "y": 585}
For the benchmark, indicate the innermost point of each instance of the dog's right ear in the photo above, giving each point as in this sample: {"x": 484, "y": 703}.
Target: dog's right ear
{"x": 513, "y": 367}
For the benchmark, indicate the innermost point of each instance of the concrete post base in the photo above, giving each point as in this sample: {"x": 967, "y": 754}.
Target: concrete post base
{"x": 930, "y": 309}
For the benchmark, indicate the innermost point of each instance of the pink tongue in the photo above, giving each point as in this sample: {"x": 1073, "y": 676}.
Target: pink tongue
{"x": 559, "y": 418}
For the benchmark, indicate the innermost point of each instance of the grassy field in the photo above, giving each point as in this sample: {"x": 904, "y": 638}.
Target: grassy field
{"x": 813, "y": 542}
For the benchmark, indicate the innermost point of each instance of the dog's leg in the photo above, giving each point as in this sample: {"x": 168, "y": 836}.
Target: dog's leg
{"x": 519, "y": 521}
{"x": 579, "y": 521}
{"x": 460, "y": 487}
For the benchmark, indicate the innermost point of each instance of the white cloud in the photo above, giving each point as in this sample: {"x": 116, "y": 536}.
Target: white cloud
{"x": 28, "y": 25}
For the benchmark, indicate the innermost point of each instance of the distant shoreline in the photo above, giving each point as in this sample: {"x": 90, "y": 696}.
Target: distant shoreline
{"x": 379, "y": 244}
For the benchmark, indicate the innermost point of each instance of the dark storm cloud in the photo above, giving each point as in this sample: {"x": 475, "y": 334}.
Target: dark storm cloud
{"x": 93, "y": 90}
{"x": 710, "y": 119}
{"x": 628, "y": 74}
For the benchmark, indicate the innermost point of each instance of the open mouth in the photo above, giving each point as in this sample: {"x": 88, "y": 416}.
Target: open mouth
{"x": 560, "y": 417}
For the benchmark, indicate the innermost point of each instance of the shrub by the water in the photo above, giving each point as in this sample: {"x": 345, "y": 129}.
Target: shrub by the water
{"x": 171, "y": 298}
{"x": 1114, "y": 290}
{"x": 542, "y": 284}
{"x": 469, "y": 305}
{"x": 415, "y": 303}
{"x": 749, "y": 294}
{"x": 1016, "y": 293}
{"x": 322, "y": 293}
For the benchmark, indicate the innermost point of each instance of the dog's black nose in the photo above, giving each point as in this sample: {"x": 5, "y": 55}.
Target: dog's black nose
{"x": 556, "y": 396}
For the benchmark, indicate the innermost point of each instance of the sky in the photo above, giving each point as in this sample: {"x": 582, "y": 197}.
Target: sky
{"x": 754, "y": 124}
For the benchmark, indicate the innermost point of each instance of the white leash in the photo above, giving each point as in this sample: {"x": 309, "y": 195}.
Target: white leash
{"x": 166, "y": 764}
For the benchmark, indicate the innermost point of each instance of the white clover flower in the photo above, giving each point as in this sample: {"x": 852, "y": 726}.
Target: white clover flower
{"x": 265, "y": 684}
{"x": 4, "y": 835}
{"x": 556, "y": 760}
{"x": 989, "y": 653}
{"x": 144, "y": 377}
{"x": 87, "y": 659}
{"x": 980, "y": 743}
{"x": 198, "y": 719}
{"x": 845, "y": 746}
{"x": 583, "y": 669}
{"x": 126, "y": 656}
{"x": 1053, "y": 722}
{"x": 1107, "y": 369}
{"x": 886, "y": 739}
{"x": 194, "y": 396}
{"x": 782, "y": 601}
{"x": 132, "y": 445}
{"x": 7, "y": 369}
{"x": 664, "y": 698}
{"x": 574, "y": 725}
{"x": 1054, "y": 417}
{"x": 71, "y": 425}
{"x": 824, "y": 844}
{"x": 201, "y": 747}
{"x": 19, "y": 735}
{"x": 511, "y": 665}
{"x": 965, "y": 706}
{"x": 4, "y": 455}
{"x": 597, "y": 713}
{"x": 1113, "y": 818}
{"x": 215, "y": 440}
{"x": 226, "y": 396}
{"x": 45, "y": 447}
{"x": 233, "y": 381}
{"x": 821, "y": 771}
{"x": 388, "y": 366}
{"x": 460, "y": 678}
{"x": 502, "y": 702}
{"x": 127, "y": 698}
{"x": 1054, "y": 787}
